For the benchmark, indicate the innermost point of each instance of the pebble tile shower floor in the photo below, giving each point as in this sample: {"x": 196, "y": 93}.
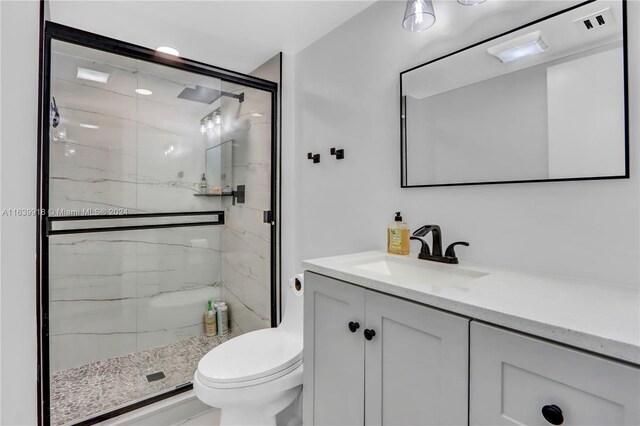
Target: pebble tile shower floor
{"x": 91, "y": 389}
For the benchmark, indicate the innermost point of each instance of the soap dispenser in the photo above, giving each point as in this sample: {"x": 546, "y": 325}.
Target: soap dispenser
{"x": 398, "y": 236}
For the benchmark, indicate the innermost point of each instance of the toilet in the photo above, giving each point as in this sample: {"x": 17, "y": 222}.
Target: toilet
{"x": 254, "y": 376}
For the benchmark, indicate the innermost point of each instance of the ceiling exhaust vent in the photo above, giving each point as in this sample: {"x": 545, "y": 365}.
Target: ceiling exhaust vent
{"x": 596, "y": 20}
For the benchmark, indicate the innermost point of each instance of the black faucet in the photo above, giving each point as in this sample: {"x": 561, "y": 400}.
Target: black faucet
{"x": 436, "y": 255}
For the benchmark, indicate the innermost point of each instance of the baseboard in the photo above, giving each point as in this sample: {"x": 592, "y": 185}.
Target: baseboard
{"x": 170, "y": 411}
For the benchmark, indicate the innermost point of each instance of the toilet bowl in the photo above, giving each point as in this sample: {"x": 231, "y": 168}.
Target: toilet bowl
{"x": 253, "y": 377}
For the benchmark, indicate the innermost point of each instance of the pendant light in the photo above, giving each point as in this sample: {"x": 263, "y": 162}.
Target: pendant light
{"x": 419, "y": 15}
{"x": 470, "y": 2}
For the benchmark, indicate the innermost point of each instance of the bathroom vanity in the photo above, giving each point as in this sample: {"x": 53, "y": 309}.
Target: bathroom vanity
{"x": 396, "y": 340}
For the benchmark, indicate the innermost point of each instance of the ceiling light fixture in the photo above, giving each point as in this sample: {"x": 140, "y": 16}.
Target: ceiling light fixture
{"x": 519, "y": 47}
{"x": 168, "y": 50}
{"x": 418, "y": 15}
{"x": 92, "y": 75}
{"x": 89, "y": 126}
{"x": 470, "y": 2}
{"x": 144, "y": 92}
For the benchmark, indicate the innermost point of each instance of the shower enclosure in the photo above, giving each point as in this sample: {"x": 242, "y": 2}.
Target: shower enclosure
{"x": 158, "y": 189}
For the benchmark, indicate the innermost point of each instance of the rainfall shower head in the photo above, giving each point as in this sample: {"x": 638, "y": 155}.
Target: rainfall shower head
{"x": 206, "y": 95}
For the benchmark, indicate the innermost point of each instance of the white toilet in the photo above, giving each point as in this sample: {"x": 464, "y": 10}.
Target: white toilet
{"x": 253, "y": 377}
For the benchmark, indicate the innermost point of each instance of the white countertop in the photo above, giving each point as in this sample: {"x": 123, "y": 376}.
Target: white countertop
{"x": 602, "y": 318}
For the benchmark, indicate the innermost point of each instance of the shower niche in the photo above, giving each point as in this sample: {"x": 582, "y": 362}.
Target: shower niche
{"x": 129, "y": 254}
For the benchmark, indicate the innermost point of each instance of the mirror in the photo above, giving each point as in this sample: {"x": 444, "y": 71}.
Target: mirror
{"x": 543, "y": 102}
{"x": 219, "y": 165}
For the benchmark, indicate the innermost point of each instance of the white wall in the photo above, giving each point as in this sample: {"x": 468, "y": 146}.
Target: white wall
{"x": 347, "y": 94}
{"x": 18, "y": 100}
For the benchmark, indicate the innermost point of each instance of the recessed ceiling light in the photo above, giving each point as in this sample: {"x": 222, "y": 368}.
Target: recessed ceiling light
{"x": 89, "y": 126}
{"x": 256, "y": 114}
{"x": 144, "y": 92}
{"x": 92, "y": 75}
{"x": 168, "y": 50}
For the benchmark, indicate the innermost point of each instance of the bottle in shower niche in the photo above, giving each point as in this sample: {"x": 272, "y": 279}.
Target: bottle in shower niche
{"x": 203, "y": 185}
{"x": 222, "y": 312}
{"x": 210, "y": 321}
{"x": 398, "y": 236}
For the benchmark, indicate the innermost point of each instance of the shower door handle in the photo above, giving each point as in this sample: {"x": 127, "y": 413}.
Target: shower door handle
{"x": 267, "y": 217}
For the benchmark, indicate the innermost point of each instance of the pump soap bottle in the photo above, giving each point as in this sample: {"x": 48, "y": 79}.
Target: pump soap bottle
{"x": 398, "y": 236}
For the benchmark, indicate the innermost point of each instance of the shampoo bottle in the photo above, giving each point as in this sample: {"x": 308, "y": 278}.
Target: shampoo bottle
{"x": 210, "y": 326}
{"x": 398, "y": 236}
{"x": 203, "y": 185}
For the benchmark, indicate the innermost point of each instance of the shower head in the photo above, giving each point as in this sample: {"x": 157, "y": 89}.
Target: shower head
{"x": 206, "y": 95}
{"x": 202, "y": 94}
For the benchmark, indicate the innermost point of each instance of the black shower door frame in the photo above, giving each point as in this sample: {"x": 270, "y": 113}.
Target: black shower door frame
{"x": 54, "y": 31}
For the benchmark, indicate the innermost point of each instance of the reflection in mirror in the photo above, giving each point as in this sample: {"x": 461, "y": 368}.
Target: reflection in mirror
{"x": 544, "y": 102}
{"x": 219, "y": 166}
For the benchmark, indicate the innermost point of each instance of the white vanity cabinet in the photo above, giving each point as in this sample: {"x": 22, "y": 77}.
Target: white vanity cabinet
{"x": 412, "y": 371}
{"x": 513, "y": 378}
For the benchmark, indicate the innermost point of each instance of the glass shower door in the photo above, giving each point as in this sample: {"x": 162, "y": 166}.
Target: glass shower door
{"x": 158, "y": 183}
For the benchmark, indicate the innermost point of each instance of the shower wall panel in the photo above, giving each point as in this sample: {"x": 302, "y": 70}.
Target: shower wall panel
{"x": 120, "y": 292}
{"x": 246, "y": 239}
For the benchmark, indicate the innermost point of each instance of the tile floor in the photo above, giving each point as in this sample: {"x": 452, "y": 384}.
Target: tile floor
{"x": 102, "y": 386}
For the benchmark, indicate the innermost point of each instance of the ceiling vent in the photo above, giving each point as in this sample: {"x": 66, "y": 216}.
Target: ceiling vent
{"x": 596, "y": 20}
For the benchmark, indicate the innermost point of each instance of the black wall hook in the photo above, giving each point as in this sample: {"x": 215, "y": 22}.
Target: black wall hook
{"x": 339, "y": 153}
{"x": 314, "y": 157}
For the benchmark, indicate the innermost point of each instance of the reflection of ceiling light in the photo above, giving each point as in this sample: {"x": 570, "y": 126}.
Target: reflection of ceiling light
{"x": 256, "y": 114}
{"x": 419, "y": 15}
{"x": 170, "y": 150}
{"x": 144, "y": 92}
{"x": 89, "y": 126}
{"x": 216, "y": 118}
{"x": 209, "y": 123}
{"x": 203, "y": 128}
{"x": 92, "y": 75}
{"x": 168, "y": 50}
{"x": 520, "y": 47}
{"x": 470, "y": 2}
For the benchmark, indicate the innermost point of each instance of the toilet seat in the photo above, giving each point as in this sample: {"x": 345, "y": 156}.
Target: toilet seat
{"x": 253, "y": 358}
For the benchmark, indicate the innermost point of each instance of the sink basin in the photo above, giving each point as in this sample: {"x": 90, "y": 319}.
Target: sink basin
{"x": 414, "y": 271}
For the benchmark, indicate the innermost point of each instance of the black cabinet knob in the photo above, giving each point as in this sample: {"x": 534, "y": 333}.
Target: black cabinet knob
{"x": 552, "y": 414}
{"x": 369, "y": 334}
{"x": 353, "y": 326}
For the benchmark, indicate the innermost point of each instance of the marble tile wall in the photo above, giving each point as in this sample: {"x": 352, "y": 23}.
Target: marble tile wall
{"x": 119, "y": 292}
{"x": 246, "y": 239}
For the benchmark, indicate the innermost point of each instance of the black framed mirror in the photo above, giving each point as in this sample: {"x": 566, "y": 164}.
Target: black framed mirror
{"x": 546, "y": 101}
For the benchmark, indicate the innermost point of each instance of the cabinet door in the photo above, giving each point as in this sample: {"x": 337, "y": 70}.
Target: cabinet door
{"x": 416, "y": 364}
{"x": 333, "y": 354}
{"x": 514, "y": 376}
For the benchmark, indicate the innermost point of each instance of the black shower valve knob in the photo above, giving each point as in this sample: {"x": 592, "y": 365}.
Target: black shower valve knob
{"x": 314, "y": 157}
{"x": 339, "y": 153}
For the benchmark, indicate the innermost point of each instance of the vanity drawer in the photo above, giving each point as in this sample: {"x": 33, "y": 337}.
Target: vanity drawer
{"x": 512, "y": 377}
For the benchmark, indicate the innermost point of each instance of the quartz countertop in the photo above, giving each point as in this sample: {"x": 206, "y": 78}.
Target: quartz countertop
{"x": 599, "y": 317}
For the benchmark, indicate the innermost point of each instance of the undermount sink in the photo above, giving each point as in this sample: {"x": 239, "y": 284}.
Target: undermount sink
{"x": 411, "y": 270}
